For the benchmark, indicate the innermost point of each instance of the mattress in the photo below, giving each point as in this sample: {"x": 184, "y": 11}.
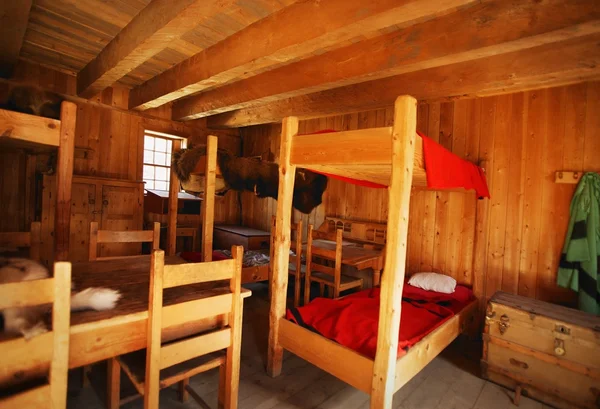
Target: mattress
{"x": 352, "y": 321}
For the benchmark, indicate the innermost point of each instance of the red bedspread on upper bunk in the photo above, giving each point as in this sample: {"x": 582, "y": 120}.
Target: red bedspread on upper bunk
{"x": 352, "y": 321}
{"x": 445, "y": 170}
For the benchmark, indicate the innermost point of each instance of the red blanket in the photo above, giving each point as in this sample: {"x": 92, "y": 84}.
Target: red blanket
{"x": 445, "y": 170}
{"x": 352, "y": 321}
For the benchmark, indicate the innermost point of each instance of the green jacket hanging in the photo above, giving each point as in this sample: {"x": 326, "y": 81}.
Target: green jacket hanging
{"x": 578, "y": 267}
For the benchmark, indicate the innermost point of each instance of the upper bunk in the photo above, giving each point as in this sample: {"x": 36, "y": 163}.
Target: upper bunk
{"x": 18, "y": 130}
{"x": 366, "y": 155}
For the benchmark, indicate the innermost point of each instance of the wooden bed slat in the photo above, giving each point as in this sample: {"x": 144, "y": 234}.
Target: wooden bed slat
{"x": 341, "y": 362}
{"x": 15, "y": 126}
{"x": 195, "y": 310}
{"x": 198, "y": 272}
{"x": 28, "y": 358}
{"x": 134, "y": 236}
{"x": 190, "y": 348}
{"x": 432, "y": 345}
{"x": 27, "y": 293}
{"x": 35, "y": 398}
{"x": 15, "y": 239}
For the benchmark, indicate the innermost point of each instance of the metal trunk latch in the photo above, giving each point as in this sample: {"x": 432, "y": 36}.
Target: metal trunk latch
{"x": 504, "y": 323}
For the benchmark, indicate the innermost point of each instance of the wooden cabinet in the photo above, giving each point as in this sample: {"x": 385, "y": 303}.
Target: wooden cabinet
{"x": 115, "y": 204}
{"x": 550, "y": 352}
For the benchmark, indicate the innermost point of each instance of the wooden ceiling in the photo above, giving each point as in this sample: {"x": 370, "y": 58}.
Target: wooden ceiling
{"x": 244, "y": 62}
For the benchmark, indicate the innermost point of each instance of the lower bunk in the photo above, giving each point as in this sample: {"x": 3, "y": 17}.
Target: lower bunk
{"x": 303, "y": 333}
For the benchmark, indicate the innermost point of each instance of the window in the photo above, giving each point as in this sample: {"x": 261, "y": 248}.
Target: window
{"x": 157, "y": 159}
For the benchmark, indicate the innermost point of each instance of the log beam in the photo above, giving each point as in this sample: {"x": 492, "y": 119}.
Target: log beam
{"x": 151, "y": 31}
{"x": 556, "y": 64}
{"x": 256, "y": 49}
{"x": 462, "y": 36}
{"x": 14, "y": 16}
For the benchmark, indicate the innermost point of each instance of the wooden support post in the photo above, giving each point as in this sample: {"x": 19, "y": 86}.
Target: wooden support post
{"x": 61, "y": 318}
{"x": 232, "y": 363}
{"x": 281, "y": 253}
{"x": 480, "y": 257}
{"x": 208, "y": 205}
{"x": 173, "y": 201}
{"x": 64, "y": 180}
{"x": 403, "y": 152}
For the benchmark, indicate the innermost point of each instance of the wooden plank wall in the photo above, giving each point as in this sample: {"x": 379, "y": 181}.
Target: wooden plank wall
{"x": 524, "y": 137}
{"x": 108, "y": 141}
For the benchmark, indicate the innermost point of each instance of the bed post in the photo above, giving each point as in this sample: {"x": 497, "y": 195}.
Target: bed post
{"x": 403, "y": 153}
{"x": 173, "y": 200}
{"x": 281, "y": 253}
{"x": 64, "y": 180}
{"x": 208, "y": 205}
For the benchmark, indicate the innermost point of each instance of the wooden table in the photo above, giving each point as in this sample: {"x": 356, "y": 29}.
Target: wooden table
{"x": 352, "y": 255}
{"x": 99, "y": 335}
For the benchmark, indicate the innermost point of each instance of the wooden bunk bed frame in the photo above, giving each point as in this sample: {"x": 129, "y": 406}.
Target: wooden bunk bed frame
{"x": 249, "y": 274}
{"x": 39, "y": 134}
{"x": 362, "y": 155}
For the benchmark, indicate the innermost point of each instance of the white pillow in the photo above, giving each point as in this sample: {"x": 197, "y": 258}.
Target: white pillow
{"x": 433, "y": 282}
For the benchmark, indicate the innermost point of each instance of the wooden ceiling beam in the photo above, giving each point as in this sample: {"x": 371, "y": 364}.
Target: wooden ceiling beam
{"x": 487, "y": 29}
{"x": 295, "y": 32}
{"x": 150, "y": 32}
{"x": 570, "y": 61}
{"x": 14, "y": 16}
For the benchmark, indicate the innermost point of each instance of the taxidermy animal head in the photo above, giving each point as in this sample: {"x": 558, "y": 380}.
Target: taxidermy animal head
{"x": 34, "y": 101}
{"x": 254, "y": 175}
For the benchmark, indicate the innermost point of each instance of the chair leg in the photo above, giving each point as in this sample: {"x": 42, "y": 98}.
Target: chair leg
{"x": 321, "y": 289}
{"x": 222, "y": 382}
{"x": 113, "y": 384}
{"x": 297, "y": 283}
{"x": 183, "y": 392}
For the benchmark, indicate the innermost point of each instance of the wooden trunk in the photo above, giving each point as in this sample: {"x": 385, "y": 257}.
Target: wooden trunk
{"x": 251, "y": 239}
{"x": 550, "y": 352}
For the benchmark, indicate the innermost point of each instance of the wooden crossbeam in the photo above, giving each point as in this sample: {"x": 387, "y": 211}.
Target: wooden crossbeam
{"x": 151, "y": 31}
{"x": 14, "y": 16}
{"x": 255, "y": 49}
{"x": 462, "y": 36}
{"x": 561, "y": 63}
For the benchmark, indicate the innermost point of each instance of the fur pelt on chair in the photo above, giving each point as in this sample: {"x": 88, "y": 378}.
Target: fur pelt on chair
{"x": 258, "y": 176}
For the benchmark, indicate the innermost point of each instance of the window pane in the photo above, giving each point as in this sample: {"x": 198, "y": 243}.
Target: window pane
{"x": 160, "y": 173}
{"x": 161, "y": 185}
{"x": 148, "y": 156}
{"x": 148, "y": 142}
{"x": 148, "y": 172}
{"x": 184, "y": 143}
{"x": 149, "y": 184}
{"x": 160, "y": 144}
{"x": 169, "y": 146}
{"x": 160, "y": 158}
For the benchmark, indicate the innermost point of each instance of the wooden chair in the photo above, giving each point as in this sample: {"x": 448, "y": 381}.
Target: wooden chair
{"x": 318, "y": 271}
{"x": 31, "y": 239}
{"x": 128, "y": 236}
{"x": 161, "y": 366}
{"x": 27, "y": 359}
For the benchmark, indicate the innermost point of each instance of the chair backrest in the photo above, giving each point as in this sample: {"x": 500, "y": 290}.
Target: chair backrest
{"x": 31, "y": 239}
{"x": 128, "y": 236}
{"x": 221, "y": 301}
{"x": 23, "y": 359}
{"x": 335, "y": 254}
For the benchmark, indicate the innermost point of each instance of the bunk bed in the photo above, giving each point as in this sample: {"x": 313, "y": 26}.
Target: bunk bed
{"x": 391, "y": 156}
{"x": 41, "y": 135}
{"x": 206, "y": 176}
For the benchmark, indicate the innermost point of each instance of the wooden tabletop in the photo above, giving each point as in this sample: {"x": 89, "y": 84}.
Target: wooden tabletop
{"x": 98, "y": 335}
{"x": 353, "y": 255}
